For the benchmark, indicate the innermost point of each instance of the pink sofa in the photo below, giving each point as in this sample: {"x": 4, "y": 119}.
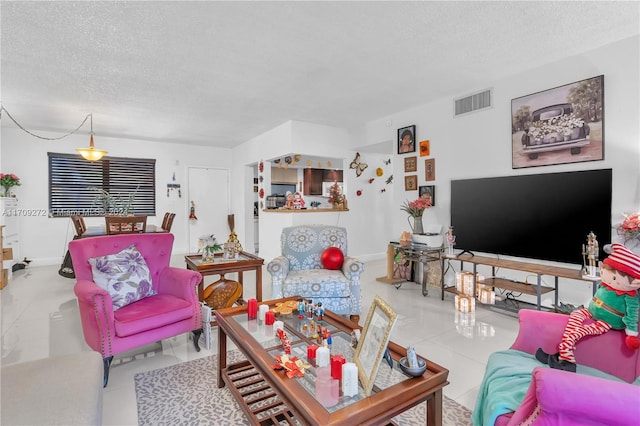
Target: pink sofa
{"x": 175, "y": 308}
{"x": 556, "y": 397}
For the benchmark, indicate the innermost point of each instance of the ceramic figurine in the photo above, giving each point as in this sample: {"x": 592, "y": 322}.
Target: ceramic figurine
{"x": 298, "y": 201}
{"x": 289, "y": 203}
{"x": 590, "y": 250}
{"x": 451, "y": 241}
{"x": 320, "y": 311}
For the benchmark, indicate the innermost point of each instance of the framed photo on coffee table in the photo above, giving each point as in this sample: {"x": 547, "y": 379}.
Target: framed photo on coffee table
{"x": 373, "y": 343}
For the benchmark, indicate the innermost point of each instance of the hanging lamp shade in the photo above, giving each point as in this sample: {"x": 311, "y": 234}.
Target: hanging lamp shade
{"x": 91, "y": 153}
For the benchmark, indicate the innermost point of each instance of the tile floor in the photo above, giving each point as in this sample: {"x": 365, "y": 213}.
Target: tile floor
{"x": 40, "y": 319}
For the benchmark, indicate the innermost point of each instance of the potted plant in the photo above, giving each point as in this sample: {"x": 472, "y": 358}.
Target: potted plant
{"x": 110, "y": 204}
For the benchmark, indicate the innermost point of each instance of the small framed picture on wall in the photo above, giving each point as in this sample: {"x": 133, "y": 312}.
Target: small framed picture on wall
{"x": 429, "y": 192}
{"x": 407, "y": 139}
{"x": 425, "y": 149}
{"x": 411, "y": 164}
{"x": 411, "y": 183}
{"x": 430, "y": 169}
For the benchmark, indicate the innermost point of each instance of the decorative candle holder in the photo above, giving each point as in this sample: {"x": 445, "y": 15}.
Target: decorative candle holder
{"x": 311, "y": 352}
{"x": 262, "y": 310}
{"x": 349, "y": 379}
{"x": 323, "y": 357}
{"x": 252, "y": 309}
{"x": 269, "y": 318}
{"x": 327, "y": 389}
{"x": 336, "y": 366}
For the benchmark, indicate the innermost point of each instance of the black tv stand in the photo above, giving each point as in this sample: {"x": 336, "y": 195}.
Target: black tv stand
{"x": 465, "y": 251}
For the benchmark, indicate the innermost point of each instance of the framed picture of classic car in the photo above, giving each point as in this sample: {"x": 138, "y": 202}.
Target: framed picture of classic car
{"x": 560, "y": 125}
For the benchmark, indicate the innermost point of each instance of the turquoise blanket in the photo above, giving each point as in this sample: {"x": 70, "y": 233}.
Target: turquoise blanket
{"x": 506, "y": 381}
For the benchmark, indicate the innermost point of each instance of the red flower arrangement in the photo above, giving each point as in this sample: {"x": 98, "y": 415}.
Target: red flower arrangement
{"x": 7, "y": 181}
{"x": 630, "y": 227}
{"x": 417, "y": 207}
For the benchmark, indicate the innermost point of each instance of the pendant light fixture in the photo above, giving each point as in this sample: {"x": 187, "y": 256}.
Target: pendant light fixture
{"x": 91, "y": 153}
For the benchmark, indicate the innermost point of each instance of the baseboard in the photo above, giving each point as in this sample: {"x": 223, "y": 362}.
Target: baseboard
{"x": 371, "y": 257}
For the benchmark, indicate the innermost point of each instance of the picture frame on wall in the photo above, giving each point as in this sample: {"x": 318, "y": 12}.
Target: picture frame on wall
{"x": 411, "y": 164}
{"x": 430, "y": 169}
{"x": 411, "y": 183}
{"x": 425, "y": 148}
{"x": 407, "y": 139}
{"x": 373, "y": 342}
{"x": 559, "y": 126}
{"x": 428, "y": 191}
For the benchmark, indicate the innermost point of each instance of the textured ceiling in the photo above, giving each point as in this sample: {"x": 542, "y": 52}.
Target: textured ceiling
{"x": 220, "y": 73}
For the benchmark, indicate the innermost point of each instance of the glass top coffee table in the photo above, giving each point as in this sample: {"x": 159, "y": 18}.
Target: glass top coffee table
{"x": 268, "y": 396}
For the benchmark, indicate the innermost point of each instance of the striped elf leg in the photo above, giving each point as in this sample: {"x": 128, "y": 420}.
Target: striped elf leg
{"x": 576, "y": 330}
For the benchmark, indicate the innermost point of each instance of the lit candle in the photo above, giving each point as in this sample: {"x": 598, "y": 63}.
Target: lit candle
{"x": 269, "y": 318}
{"x": 252, "y": 309}
{"x": 262, "y": 310}
{"x": 311, "y": 351}
{"x": 323, "y": 357}
{"x": 336, "y": 366}
{"x": 349, "y": 379}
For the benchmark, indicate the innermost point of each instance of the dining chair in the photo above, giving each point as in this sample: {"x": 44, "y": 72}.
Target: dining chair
{"x": 168, "y": 221}
{"x": 125, "y": 224}
{"x": 78, "y": 223}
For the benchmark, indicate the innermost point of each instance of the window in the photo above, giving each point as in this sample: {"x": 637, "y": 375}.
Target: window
{"x": 74, "y": 184}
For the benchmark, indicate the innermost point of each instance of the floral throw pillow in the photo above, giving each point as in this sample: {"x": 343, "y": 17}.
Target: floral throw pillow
{"x": 124, "y": 275}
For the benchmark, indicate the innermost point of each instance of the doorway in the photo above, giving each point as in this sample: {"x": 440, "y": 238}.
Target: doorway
{"x": 209, "y": 191}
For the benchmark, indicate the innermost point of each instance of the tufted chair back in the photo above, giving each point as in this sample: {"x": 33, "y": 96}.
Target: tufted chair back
{"x": 303, "y": 245}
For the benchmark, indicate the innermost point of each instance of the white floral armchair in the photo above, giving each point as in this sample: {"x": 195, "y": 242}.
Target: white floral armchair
{"x": 299, "y": 271}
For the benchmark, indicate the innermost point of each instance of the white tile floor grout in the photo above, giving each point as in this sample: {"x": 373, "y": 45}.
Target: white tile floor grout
{"x": 40, "y": 319}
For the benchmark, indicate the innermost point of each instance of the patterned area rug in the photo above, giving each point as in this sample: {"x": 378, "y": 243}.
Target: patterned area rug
{"x": 186, "y": 394}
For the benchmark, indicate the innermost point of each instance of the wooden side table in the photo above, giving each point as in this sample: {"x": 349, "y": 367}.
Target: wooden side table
{"x": 220, "y": 266}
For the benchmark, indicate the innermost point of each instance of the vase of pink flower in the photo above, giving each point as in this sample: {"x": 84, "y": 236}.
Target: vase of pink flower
{"x": 415, "y": 209}
{"x": 8, "y": 181}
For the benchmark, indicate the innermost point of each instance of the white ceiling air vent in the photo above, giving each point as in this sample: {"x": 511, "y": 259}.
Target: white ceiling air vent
{"x": 472, "y": 103}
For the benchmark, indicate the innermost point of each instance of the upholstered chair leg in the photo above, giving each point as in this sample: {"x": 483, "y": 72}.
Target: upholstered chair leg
{"x": 107, "y": 363}
{"x": 196, "y": 338}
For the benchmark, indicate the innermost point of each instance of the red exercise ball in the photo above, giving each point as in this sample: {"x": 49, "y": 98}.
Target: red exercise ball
{"x": 332, "y": 258}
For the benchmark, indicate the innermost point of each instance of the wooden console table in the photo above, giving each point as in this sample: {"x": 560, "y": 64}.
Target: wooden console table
{"x": 220, "y": 266}
{"x": 539, "y": 270}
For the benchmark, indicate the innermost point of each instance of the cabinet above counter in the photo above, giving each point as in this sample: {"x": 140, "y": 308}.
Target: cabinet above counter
{"x": 314, "y": 178}
{"x": 284, "y": 176}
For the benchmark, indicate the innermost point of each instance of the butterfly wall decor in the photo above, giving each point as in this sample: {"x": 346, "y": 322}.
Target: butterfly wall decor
{"x": 359, "y": 166}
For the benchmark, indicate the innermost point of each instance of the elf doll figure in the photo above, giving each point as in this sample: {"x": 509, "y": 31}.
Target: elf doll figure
{"x": 615, "y": 305}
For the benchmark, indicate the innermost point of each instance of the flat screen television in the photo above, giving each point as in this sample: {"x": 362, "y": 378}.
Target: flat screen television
{"x": 541, "y": 216}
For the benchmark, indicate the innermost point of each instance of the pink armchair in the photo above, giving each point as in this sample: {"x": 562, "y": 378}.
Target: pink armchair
{"x": 175, "y": 308}
{"x": 544, "y": 396}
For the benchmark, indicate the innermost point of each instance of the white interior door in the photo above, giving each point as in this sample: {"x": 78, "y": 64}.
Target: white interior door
{"x": 209, "y": 191}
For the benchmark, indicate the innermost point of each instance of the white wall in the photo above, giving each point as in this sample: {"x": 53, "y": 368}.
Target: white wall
{"x": 365, "y": 222}
{"x": 479, "y": 144}
{"x": 44, "y": 239}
